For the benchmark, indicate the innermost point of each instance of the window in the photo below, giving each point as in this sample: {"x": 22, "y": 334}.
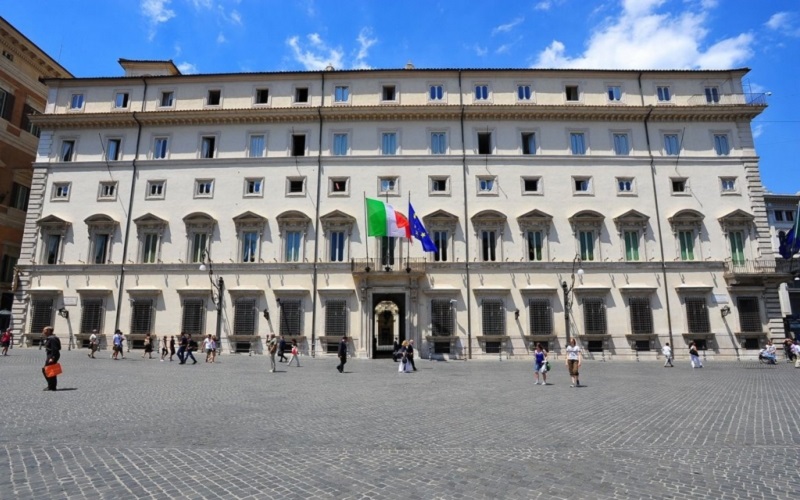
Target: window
{"x": 167, "y": 99}
{"x": 679, "y": 185}
{"x": 244, "y": 316}
{"x": 586, "y": 243}
{"x": 388, "y": 247}
{"x": 493, "y": 317}
{"x": 594, "y": 316}
{"x": 697, "y": 315}
{"x": 67, "y": 150}
{"x": 440, "y": 240}
{"x": 198, "y": 246}
{"x": 749, "y": 314}
{"x": 41, "y": 313}
{"x": 541, "y": 317}
{"x": 339, "y": 186}
{"x": 481, "y": 92}
{"x": 107, "y": 191}
{"x": 577, "y": 143}
{"x": 7, "y": 268}
{"x": 631, "y": 245}
{"x": 721, "y": 145}
{"x": 252, "y": 187}
{"x": 291, "y": 317}
{"x": 524, "y": 92}
{"x": 214, "y": 98}
{"x": 671, "y": 144}
{"x": 641, "y": 315}
{"x": 19, "y": 196}
{"x": 295, "y": 185}
{"x": 389, "y": 93}
{"x": 535, "y": 242}
{"x": 142, "y": 316}
{"x": 336, "y": 318}
{"x": 778, "y": 215}
{"x": 625, "y": 185}
{"x": 6, "y": 104}
{"x": 388, "y": 185}
{"x": 52, "y": 248}
{"x": 531, "y": 185}
{"x": 208, "y": 146}
{"x": 783, "y": 215}
{"x": 113, "y": 149}
{"x": 736, "y": 239}
{"x": 341, "y": 93}
{"x": 438, "y": 143}
{"x": 257, "y": 146}
{"x": 160, "y": 148}
{"x": 484, "y": 143}
{"x": 439, "y": 185}
{"x": 442, "y": 323}
{"x": 293, "y": 241}
{"x": 487, "y": 185}
{"x": 686, "y": 242}
{"x": 664, "y": 94}
{"x": 340, "y": 146}
{"x": 249, "y": 246}
{"x": 150, "y": 243}
{"x": 582, "y": 185}
{"x": 728, "y": 184}
{"x": 26, "y": 123}
{"x": 262, "y": 96}
{"x": 528, "y": 143}
{"x": 60, "y": 191}
{"x": 621, "y": 145}
{"x": 614, "y": 93}
{"x": 488, "y": 246}
{"x": 76, "y": 101}
{"x": 99, "y": 250}
{"x": 337, "y": 241}
{"x": 203, "y": 188}
{"x": 389, "y": 143}
{"x": 194, "y": 315}
{"x": 156, "y": 190}
{"x": 121, "y": 100}
{"x": 712, "y": 95}
{"x": 301, "y": 95}
{"x": 436, "y": 92}
{"x": 298, "y": 144}
{"x": 572, "y": 93}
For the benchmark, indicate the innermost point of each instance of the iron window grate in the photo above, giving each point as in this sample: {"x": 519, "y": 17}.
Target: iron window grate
{"x": 594, "y": 316}
{"x": 441, "y": 317}
{"x": 92, "y": 315}
{"x": 541, "y": 317}
{"x": 641, "y": 315}
{"x": 41, "y": 314}
{"x": 494, "y": 318}
{"x": 336, "y": 318}
{"x": 142, "y": 316}
{"x": 291, "y": 318}
{"x": 697, "y": 315}
{"x": 193, "y": 316}
{"x": 244, "y": 317}
{"x": 749, "y": 314}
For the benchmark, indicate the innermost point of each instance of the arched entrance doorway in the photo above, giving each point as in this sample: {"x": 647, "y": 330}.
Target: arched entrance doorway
{"x": 388, "y": 323}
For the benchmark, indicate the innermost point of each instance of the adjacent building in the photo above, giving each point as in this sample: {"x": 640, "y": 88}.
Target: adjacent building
{"x": 622, "y": 208}
{"x": 782, "y": 210}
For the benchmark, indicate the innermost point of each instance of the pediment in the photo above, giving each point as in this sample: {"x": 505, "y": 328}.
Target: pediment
{"x": 337, "y": 217}
{"x": 99, "y": 219}
{"x": 686, "y": 216}
{"x": 535, "y": 215}
{"x": 52, "y": 220}
{"x": 149, "y": 220}
{"x": 587, "y": 216}
{"x": 440, "y": 218}
{"x": 632, "y": 216}
{"x": 488, "y": 217}
{"x": 738, "y": 216}
{"x": 293, "y": 217}
{"x": 249, "y": 217}
{"x": 199, "y": 218}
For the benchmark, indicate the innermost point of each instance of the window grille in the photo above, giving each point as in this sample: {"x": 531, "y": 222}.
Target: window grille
{"x": 641, "y": 315}
{"x": 749, "y": 314}
{"x": 494, "y": 317}
{"x": 336, "y": 318}
{"x": 541, "y": 317}
{"x": 41, "y": 314}
{"x": 194, "y": 316}
{"x": 244, "y": 317}
{"x": 594, "y": 316}
{"x": 142, "y": 316}
{"x": 697, "y": 315}
{"x": 441, "y": 317}
{"x": 92, "y": 315}
{"x": 291, "y": 317}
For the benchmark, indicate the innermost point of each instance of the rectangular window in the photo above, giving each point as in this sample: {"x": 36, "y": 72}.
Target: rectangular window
{"x": 19, "y": 196}
{"x": 530, "y": 185}
{"x": 389, "y": 93}
{"x": 298, "y": 144}
{"x": 671, "y": 144}
{"x": 26, "y": 124}
{"x": 541, "y": 317}
{"x": 712, "y": 95}
{"x": 92, "y": 315}
{"x": 244, "y": 316}
{"x": 486, "y": 185}
{"x": 686, "y": 241}
{"x": 291, "y": 317}
{"x": 160, "y": 148}
{"x": 340, "y": 144}
{"x": 293, "y": 240}
{"x": 262, "y": 96}
{"x": 577, "y": 143}
{"x": 214, "y": 98}
{"x": 121, "y": 100}
{"x": 625, "y": 185}
{"x": 728, "y": 184}
{"x": 594, "y": 316}
{"x": 252, "y": 187}
{"x": 199, "y": 247}
{"x": 296, "y": 186}
{"x": 52, "y": 249}
{"x": 388, "y": 185}
{"x": 481, "y": 92}
{"x": 583, "y": 185}
{"x": 641, "y": 315}
{"x": 484, "y": 143}
{"x": 440, "y": 240}
{"x": 389, "y": 143}
{"x": 631, "y": 245}
{"x": 41, "y": 314}
{"x": 535, "y": 245}
{"x": 388, "y": 246}
{"x": 697, "y": 315}
{"x": 789, "y": 215}
{"x": 678, "y": 185}
{"x": 76, "y": 101}
{"x": 721, "y": 145}
{"x": 100, "y": 247}
{"x": 438, "y": 143}
{"x": 749, "y": 314}
{"x": 301, "y": 95}
{"x": 142, "y": 316}
{"x": 61, "y": 191}
{"x": 194, "y": 315}
{"x": 439, "y": 185}
{"x": 736, "y": 239}
{"x": 621, "y": 146}
{"x": 524, "y": 93}
{"x": 614, "y": 93}
{"x": 488, "y": 246}
{"x": 341, "y": 93}
{"x": 572, "y": 93}
{"x": 442, "y": 318}
{"x": 6, "y": 105}
{"x": 249, "y": 246}
{"x": 257, "y": 146}
{"x": 203, "y": 188}
{"x": 67, "y": 150}
{"x": 778, "y": 214}
{"x": 339, "y": 186}
{"x": 113, "y": 149}
{"x": 337, "y": 240}
{"x": 149, "y": 248}
{"x": 156, "y": 190}
{"x": 528, "y": 143}
{"x": 208, "y": 147}
{"x": 336, "y": 318}
{"x": 586, "y": 241}
{"x": 436, "y": 93}
{"x": 493, "y": 317}
{"x": 664, "y": 94}
{"x": 7, "y": 268}
{"x": 167, "y": 99}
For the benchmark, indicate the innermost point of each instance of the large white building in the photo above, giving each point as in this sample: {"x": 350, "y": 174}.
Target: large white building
{"x": 623, "y": 208}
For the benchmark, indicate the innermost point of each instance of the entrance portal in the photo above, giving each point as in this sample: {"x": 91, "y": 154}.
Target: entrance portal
{"x": 388, "y": 323}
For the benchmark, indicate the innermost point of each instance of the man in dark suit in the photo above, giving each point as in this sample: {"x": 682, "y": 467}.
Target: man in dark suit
{"x": 342, "y": 354}
{"x": 52, "y": 346}
{"x": 282, "y": 350}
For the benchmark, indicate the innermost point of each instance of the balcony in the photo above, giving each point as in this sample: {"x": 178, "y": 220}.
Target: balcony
{"x": 760, "y": 270}
{"x": 415, "y": 267}
{"x": 751, "y": 99}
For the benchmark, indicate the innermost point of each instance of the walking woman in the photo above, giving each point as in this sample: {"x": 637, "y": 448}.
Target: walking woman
{"x": 694, "y": 356}
{"x": 295, "y": 354}
{"x": 171, "y": 347}
{"x": 164, "y": 350}
{"x": 574, "y": 360}
{"x": 148, "y": 346}
{"x": 540, "y": 364}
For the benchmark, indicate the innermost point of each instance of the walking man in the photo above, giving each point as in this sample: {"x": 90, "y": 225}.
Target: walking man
{"x": 282, "y": 350}
{"x": 52, "y": 347}
{"x": 183, "y": 343}
{"x": 93, "y": 343}
{"x": 410, "y": 354}
{"x": 191, "y": 346}
{"x": 171, "y": 346}
{"x": 342, "y": 353}
{"x": 272, "y": 348}
{"x": 116, "y": 341}
{"x": 667, "y": 352}
{"x": 574, "y": 360}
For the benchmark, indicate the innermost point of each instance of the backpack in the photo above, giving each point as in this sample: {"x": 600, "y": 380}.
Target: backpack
{"x": 273, "y": 347}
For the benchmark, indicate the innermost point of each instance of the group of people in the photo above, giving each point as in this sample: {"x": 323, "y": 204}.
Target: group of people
{"x": 404, "y": 353}
{"x": 277, "y": 346}
{"x": 573, "y": 361}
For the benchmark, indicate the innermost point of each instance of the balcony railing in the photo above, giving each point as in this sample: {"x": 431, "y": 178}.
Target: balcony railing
{"x": 729, "y": 100}
{"x": 378, "y": 265}
{"x": 760, "y": 267}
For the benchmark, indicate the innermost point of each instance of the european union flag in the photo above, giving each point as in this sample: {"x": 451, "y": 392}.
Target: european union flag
{"x": 418, "y": 231}
{"x": 789, "y": 244}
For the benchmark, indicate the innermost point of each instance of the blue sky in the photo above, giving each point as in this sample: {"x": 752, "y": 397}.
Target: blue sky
{"x": 219, "y": 36}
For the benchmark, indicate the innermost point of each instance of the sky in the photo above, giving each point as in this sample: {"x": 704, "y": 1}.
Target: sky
{"x": 88, "y": 37}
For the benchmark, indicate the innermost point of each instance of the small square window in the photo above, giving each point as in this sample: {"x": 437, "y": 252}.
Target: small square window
{"x": 113, "y": 149}
{"x": 341, "y": 94}
{"x": 388, "y": 185}
{"x": 76, "y": 101}
{"x": 214, "y": 98}
{"x": 582, "y": 185}
{"x": 487, "y": 185}
{"x": 625, "y": 185}
{"x": 339, "y": 186}
{"x": 439, "y": 185}
{"x": 121, "y": 100}
{"x": 253, "y": 187}
{"x": 614, "y": 93}
{"x": 436, "y": 92}
{"x": 572, "y": 93}
{"x": 298, "y": 144}
{"x": 389, "y": 93}
{"x": 484, "y": 143}
{"x": 107, "y": 191}
{"x": 679, "y": 186}
{"x": 728, "y": 184}
{"x": 204, "y": 188}
{"x": 167, "y": 99}
{"x": 262, "y": 96}
{"x": 156, "y": 190}
{"x": 208, "y": 147}
{"x": 531, "y": 185}
{"x": 664, "y": 94}
{"x": 524, "y": 92}
{"x": 61, "y": 191}
{"x": 301, "y": 95}
{"x": 295, "y": 185}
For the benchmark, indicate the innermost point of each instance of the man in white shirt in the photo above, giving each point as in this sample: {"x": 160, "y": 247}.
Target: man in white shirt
{"x": 574, "y": 360}
{"x": 667, "y": 352}
{"x": 93, "y": 343}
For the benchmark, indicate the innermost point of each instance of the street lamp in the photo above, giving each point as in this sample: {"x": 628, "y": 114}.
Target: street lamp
{"x": 568, "y": 292}
{"x": 219, "y": 286}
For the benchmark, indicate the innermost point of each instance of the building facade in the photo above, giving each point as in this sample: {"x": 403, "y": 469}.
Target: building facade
{"x": 21, "y": 93}
{"x": 782, "y": 211}
{"x": 622, "y": 208}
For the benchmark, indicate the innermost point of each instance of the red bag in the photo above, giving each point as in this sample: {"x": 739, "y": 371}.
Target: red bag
{"x": 52, "y": 370}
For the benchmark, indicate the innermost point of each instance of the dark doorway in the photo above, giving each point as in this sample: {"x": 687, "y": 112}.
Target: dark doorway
{"x": 389, "y": 324}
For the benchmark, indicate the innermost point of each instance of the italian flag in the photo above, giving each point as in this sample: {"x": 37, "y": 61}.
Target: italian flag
{"x": 382, "y": 220}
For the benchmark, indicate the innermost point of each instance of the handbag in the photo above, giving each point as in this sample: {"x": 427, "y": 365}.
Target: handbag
{"x": 547, "y": 365}
{"x": 53, "y": 370}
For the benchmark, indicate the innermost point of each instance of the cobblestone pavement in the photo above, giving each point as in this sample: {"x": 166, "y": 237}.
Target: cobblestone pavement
{"x": 475, "y": 429}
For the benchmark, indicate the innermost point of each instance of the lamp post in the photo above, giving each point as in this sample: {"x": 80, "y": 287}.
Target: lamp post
{"x": 569, "y": 294}
{"x": 219, "y": 286}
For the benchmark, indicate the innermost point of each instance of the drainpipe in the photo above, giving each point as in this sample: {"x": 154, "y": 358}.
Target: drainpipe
{"x": 466, "y": 219}
{"x": 130, "y": 210}
{"x": 658, "y": 215}
{"x": 316, "y": 224}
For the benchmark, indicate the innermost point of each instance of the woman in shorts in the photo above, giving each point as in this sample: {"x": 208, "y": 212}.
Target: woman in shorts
{"x": 574, "y": 359}
{"x": 540, "y": 364}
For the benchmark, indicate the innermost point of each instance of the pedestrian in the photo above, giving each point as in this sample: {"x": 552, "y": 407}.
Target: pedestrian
{"x": 5, "y": 341}
{"x": 574, "y": 361}
{"x": 282, "y": 350}
{"x": 191, "y": 347}
{"x": 121, "y": 344}
{"x": 395, "y": 350}
{"x": 207, "y": 347}
{"x": 540, "y": 364}
{"x": 52, "y": 347}
{"x": 92, "y": 343}
{"x": 342, "y": 354}
{"x": 171, "y": 346}
{"x": 148, "y": 345}
{"x": 183, "y": 344}
{"x": 213, "y": 349}
{"x": 410, "y": 354}
{"x": 272, "y": 348}
{"x": 295, "y": 354}
{"x": 787, "y": 349}
{"x": 667, "y": 352}
{"x": 796, "y": 351}
{"x": 164, "y": 348}
{"x": 694, "y": 356}
{"x": 116, "y": 343}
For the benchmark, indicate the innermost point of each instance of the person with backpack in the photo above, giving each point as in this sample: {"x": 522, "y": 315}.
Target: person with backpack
{"x": 191, "y": 346}
{"x": 183, "y": 344}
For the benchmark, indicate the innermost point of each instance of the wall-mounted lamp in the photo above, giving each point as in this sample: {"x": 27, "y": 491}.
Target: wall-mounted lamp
{"x": 408, "y": 269}
{"x": 63, "y": 313}
{"x": 516, "y": 315}
{"x": 367, "y": 269}
{"x": 726, "y": 310}
{"x": 266, "y": 314}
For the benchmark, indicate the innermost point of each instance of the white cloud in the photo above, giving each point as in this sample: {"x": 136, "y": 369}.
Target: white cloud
{"x": 221, "y": 38}
{"x": 156, "y": 12}
{"x": 641, "y": 38}
{"x": 480, "y": 51}
{"x": 785, "y": 23}
{"x": 364, "y": 43}
{"x": 505, "y": 28}
{"x": 202, "y": 4}
{"x": 318, "y": 55}
{"x": 543, "y": 5}
{"x": 187, "y": 68}
{"x": 758, "y": 129}
{"x": 236, "y": 18}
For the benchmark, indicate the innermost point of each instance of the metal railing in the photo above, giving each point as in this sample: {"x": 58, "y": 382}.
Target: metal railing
{"x": 378, "y": 264}
{"x": 760, "y": 266}
{"x": 751, "y": 99}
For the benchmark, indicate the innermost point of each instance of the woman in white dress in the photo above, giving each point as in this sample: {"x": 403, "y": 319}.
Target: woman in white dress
{"x": 405, "y": 365}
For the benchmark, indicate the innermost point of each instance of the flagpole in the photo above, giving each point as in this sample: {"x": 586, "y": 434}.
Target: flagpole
{"x": 408, "y": 240}
{"x": 366, "y": 227}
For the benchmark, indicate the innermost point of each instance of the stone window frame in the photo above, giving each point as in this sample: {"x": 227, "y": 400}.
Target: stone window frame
{"x": 739, "y": 220}
{"x": 632, "y": 220}
{"x": 588, "y": 220}
{"x": 52, "y": 225}
{"x": 246, "y": 222}
{"x": 489, "y": 220}
{"x": 337, "y": 221}
{"x": 198, "y": 223}
{"x": 100, "y": 224}
{"x": 687, "y": 220}
{"x": 149, "y": 224}
{"x": 535, "y": 220}
{"x": 442, "y": 220}
{"x": 293, "y": 220}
